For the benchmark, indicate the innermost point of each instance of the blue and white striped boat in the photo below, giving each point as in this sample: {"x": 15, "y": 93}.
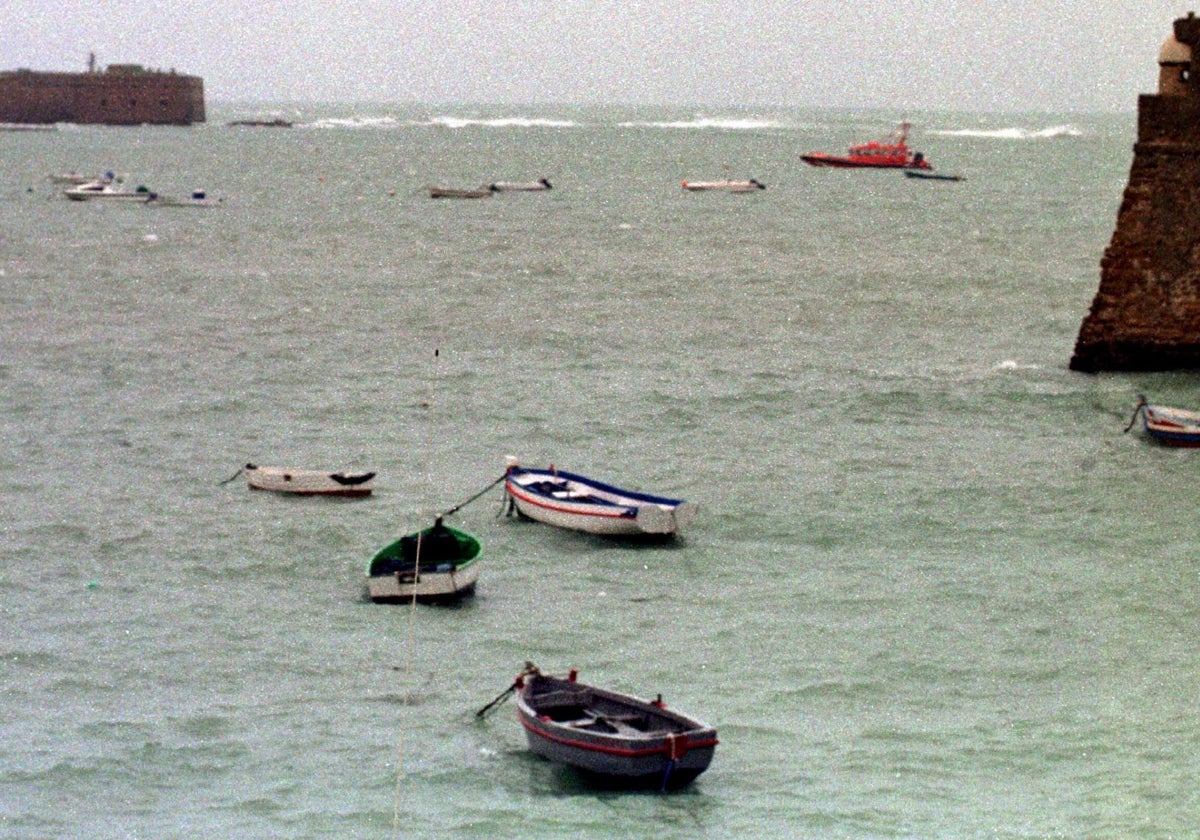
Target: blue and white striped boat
{"x": 568, "y": 500}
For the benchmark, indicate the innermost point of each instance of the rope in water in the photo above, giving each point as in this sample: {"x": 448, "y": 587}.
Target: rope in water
{"x": 1141, "y": 404}
{"x": 410, "y": 644}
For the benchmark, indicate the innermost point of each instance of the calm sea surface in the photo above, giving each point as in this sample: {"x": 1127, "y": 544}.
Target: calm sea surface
{"x": 933, "y": 591}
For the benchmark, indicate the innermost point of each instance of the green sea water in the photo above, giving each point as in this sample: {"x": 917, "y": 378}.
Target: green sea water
{"x": 933, "y": 590}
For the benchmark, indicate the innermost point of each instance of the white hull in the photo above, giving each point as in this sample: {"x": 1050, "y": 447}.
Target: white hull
{"x": 529, "y": 186}
{"x": 105, "y": 190}
{"x": 425, "y": 585}
{"x": 605, "y": 524}
{"x": 723, "y": 186}
{"x": 583, "y": 505}
{"x": 309, "y": 482}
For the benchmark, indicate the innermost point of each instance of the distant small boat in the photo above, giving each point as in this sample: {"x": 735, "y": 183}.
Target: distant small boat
{"x": 751, "y": 185}
{"x": 106, "y": 190}
{"x": 275, "y": 123}
{"x": 926, "y": 175}
{"x": 309, "y": 482}
{"x": 572, "y": 501}
{"x": 452, "y": 192}
{"x": 890, "y": 153}
{"x": 1169, "y": 426}
{"x": 197, "y": 198}
{"x": 436, "y": 565}
{"x": 521, "y": 186}
{"x": 615, "y": 738}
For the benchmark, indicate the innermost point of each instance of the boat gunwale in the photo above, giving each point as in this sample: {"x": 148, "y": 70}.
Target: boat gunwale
{"x": 650, "y": 743}
{"x": 471, "y": 541}
{"x": 633, "y": 496}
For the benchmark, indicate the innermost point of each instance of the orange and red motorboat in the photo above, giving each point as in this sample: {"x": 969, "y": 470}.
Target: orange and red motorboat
{"x": 891, "y": 152}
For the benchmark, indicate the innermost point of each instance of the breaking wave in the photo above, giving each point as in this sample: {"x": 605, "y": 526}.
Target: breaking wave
{"x": 353, "y": 122}
{"x": 721, "y": 123}
{"x": 499, "y": 122}
{"x": 1013, "y": 133}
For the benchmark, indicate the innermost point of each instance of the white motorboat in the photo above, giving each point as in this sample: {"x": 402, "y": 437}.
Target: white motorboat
{"x": 106, "y": 190}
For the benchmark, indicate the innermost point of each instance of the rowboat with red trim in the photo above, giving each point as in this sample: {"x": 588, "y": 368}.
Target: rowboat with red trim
{"x": 1170, "y": 426}
{"x": 309, "y": 482}
{"x": 890, "y": 153}
{"x": 569, "y": 500}
{"x": 614, "y": 738}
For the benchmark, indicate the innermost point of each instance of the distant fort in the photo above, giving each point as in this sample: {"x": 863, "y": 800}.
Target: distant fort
{"x": 1146, "y": 313}
{"x": 121, "y": 94}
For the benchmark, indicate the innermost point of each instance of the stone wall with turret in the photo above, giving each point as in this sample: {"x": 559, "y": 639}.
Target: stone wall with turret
{"x": 122, "y": 95}
{"x": 1146, "y": 313}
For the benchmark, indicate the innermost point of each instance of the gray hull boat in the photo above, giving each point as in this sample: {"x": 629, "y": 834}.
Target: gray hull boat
{"x": 612, "y": 738}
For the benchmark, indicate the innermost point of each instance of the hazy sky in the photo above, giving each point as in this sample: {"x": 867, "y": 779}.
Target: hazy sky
{"x": 1048, "y": 55}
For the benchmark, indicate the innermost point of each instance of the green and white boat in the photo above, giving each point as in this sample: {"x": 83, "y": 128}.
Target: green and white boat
{"x": 436, "y": 565}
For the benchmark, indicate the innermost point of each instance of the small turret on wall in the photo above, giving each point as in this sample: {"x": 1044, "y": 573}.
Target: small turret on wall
{"x": 1174, "y": 63}
{"x": 1146, "y": 313}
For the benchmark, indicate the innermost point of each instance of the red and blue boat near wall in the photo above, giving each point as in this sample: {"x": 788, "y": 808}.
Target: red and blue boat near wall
{"x": 1168, "y": 426}
{"x": 890, "y": 153}
{"x": 572, "y": 501}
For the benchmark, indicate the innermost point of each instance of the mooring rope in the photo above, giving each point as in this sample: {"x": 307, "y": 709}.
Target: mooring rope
{"x": 1141, "y": 404}
{"x": 461, "y": 505}
{"x": 410, "y": 643}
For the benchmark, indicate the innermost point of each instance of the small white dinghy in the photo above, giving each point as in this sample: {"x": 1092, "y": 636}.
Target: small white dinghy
{"x": 724, "y": 186}
{"x": 521, "y": 186}
{"x": 309, "y": 482}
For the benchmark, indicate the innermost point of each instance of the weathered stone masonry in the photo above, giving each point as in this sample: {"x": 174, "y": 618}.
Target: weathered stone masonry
{"x": 1146, "y": 313}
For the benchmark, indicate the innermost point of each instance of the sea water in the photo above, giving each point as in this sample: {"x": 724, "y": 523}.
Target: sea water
{"x": 933, "y": 591}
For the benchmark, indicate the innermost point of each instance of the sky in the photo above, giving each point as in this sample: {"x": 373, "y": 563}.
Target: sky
{"x": 978, "y": 55}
